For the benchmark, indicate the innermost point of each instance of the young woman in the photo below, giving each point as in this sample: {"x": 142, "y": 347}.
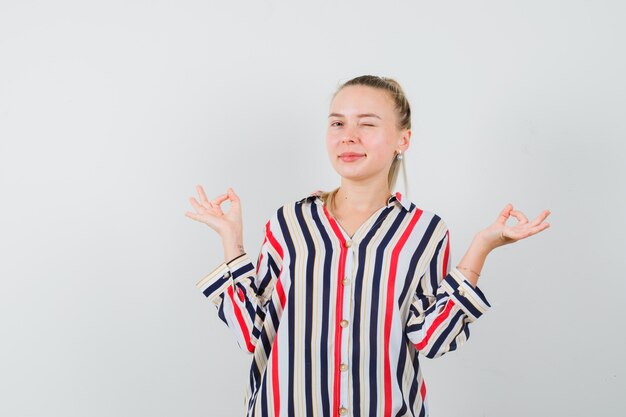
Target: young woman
{"x": 350, "y": 286}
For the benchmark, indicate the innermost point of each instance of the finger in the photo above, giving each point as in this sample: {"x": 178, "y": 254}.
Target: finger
{"x": 539, "y": 228}
{"x": 216, "y": 204}
{"x": 504, "y": 214}
{"x": 526, "y": 232}
{"x": 518, "y": 234}
{"x": 540, "y": 218}
{"x": 219, "y": 199}
{"x": 203, "y": 196}
{"x": 199, "y": 207}
{"x": 193, "y": 216}
{"x": 521, "y": 218}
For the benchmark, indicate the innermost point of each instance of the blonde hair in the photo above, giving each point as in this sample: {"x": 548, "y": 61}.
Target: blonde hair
{"x": 403, "y": 110}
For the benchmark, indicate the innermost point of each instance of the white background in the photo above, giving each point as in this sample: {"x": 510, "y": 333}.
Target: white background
{"x": 111, "y": 112}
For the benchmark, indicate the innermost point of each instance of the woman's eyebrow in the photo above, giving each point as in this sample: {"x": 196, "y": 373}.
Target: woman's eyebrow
{"x": 358, "y": 115}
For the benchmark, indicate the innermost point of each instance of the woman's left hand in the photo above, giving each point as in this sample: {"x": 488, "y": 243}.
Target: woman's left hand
{"x": 499, "y": 233}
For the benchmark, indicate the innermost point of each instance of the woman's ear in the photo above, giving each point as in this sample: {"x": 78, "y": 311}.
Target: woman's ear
{"x": 405, "y": 140}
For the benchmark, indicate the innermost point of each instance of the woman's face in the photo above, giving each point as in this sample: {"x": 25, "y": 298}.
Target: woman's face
{"x": 363, "y": 122}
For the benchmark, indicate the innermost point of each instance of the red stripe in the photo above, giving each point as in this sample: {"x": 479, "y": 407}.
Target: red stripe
{"x": 339, "y": 310}
{"x": 395, "y": 254}
{"x": 273, "y": 240}
{"x": 281, "y": 292}
{"x": 423, "y": 390}
{"x": 440, "y": 318}
{"x": 275, "y": 385}
{"x": 282, "y": 298}
{"x": 240, "y": 320}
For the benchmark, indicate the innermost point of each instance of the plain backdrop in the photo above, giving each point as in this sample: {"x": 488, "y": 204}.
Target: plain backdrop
{"x": 111, "y": 113}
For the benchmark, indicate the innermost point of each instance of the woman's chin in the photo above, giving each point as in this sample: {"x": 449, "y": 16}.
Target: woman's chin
{"x": 353, "y": 174}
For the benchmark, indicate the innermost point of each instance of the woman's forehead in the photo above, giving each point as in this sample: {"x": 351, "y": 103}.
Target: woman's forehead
{"x": 361, "y": 100}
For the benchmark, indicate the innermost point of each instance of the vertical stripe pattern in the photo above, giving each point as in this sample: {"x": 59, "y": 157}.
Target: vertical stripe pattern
{"x": 354, "y": 313}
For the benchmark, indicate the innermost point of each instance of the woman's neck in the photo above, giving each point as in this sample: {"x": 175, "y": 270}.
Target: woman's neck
{"x": 361, "y": 198}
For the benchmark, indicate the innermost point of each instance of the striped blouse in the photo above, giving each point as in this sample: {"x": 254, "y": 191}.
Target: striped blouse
{"x": 335, "y": 323}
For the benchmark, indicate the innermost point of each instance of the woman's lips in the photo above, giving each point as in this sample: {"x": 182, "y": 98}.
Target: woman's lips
{"x": 350, "y": 157}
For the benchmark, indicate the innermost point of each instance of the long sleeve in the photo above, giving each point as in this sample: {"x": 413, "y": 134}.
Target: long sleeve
{"x": 241, "y": 290}
{"x": 443, "y": 305}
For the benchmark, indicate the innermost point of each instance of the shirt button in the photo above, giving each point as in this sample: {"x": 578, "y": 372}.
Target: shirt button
{"x": 461, "y": 292}
{"x": 343, "y": 323}
{"x": 227, "y": 275}
{"x": 348, "y": 243}
{"x": 343, "y": 411}
{"x": 343, "y": 367}
{"x": 345, "y": 281}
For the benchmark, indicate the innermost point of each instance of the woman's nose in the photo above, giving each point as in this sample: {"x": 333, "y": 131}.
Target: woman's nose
{"x": 350, "y": 133}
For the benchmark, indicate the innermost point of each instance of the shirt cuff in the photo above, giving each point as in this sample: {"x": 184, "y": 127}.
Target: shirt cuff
{"x": 217, "y": 281}
{"x": 469, "y": 298}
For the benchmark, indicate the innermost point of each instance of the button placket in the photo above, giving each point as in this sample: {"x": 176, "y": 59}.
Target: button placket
{"x": 345, "y": 325}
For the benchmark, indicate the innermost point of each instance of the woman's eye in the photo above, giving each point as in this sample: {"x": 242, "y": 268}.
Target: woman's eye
{"x": 334, "y": 123}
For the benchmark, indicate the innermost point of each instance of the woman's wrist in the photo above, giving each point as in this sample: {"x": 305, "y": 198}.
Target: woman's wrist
{"x": 233, "y": 247}
{"x": 483, "y": 243}
{"x": 472, "y": 262}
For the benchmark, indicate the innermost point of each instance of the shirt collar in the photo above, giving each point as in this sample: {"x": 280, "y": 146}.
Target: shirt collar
{"x": 397, "y": 199}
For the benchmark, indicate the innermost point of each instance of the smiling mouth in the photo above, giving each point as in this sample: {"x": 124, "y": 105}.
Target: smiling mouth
{"x": 351, "y": 157}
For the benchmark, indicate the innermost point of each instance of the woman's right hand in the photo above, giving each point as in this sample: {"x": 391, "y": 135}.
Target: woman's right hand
{"x": 228, "y": 225}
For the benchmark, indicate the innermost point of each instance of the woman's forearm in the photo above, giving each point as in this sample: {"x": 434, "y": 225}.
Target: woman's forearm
{"x": 474, "y": 259}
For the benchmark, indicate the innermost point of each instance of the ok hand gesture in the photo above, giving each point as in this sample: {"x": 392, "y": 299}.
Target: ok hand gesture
{"x": 227, "y": 224}
{"x": 498, "y": 233}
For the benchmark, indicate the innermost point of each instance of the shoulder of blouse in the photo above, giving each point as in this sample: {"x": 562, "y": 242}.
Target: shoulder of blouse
{"x": 289, "y": 206}
{"x": 310, "y": 197}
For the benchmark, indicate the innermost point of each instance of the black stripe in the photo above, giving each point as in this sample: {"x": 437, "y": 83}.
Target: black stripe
{"x": 400, "y": 373}
{"x": 326, "y": 286}
{"x": 255, "y": 380}
{"x": 414, "y": 356}
{"x": 434, "y": 277}
{"x": 270, "y": 274}
{"x": 220, "y": 310}
{"x": 436, "y": 346}
{"x": 468, "y": 305}
{"x": 290, "y": 306}
{"x": 248, "y": 304}
{"x": 243, "y": 269}
{"x": 267, "y": 346}
{"x": 308, "y": 312}
{"x": 213, "y": 287}
{"x": 265, "y": 412}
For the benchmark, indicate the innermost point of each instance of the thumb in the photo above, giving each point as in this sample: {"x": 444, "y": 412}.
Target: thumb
{"x": 505, "y": 214}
